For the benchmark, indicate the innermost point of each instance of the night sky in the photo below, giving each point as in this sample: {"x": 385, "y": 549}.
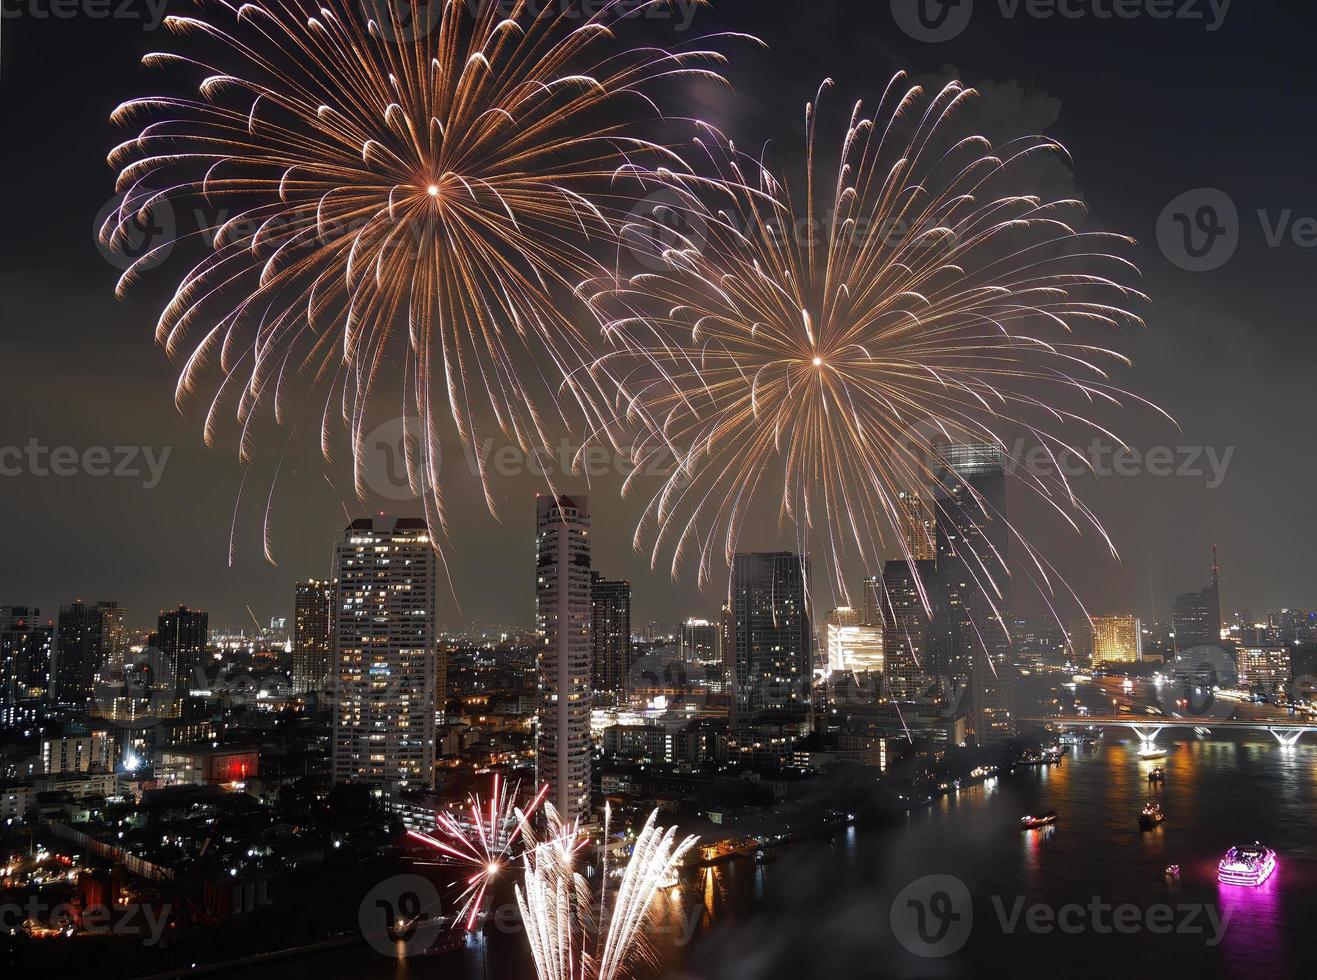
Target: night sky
{"x": 1149, "y": 109}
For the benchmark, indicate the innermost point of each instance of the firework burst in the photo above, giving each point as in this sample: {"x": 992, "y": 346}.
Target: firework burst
{"x": 569, "y": 939}
{"x": 821, "y": 346}
{"x": 381, "y": 194}
{"x": 487, "y": 841}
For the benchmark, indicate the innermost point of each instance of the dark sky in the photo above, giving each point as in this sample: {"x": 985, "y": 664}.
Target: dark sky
{"x": 1150, "y": 109}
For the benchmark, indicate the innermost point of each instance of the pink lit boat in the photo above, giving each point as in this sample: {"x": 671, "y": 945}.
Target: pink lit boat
{"x": 1246, "y": 864}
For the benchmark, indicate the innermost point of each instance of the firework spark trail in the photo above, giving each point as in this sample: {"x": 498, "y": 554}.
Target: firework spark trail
{"x": 487, "y": 845}
{"x": 931, "y": 299}
{"x": 567, "y": 940}
{"x": 366, "y": 177}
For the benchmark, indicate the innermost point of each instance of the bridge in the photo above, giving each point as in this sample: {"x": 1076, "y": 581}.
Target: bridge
{"x": 1148, "y": 727}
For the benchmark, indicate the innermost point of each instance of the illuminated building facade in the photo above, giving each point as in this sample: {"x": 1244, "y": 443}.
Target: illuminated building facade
{"x": 89, "y": 640}
{"x": 26, "y": 646}
{"x": 610, "y": 633}
{"x": 384, "y": 654}
{"x": 1117, "y": 640}
{"x": 772, "y": 640}
{"x": 313, "y": 636}
{"x": 182, "y": 635}
{"x": 563, "y": 618}
{"x": 1265, "y": 669}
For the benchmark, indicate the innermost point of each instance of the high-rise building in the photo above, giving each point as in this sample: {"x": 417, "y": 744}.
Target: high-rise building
{"x": 610, "y": 633}
{"x": 385, "y": 653}
{"x": 1117, "y": 640}
{"x": 26, "y": 645}
{"x": 851, "y": 644}
{"x": 918, "y": 526}
{"x": 1265, "y": 669}
{"x": 563, "y": 615}
{"x": 88, "y": 640}
{"x": 872, "y": 611}
{"x": 971, "y": 646}
{"x": 907, "y": 629}
{"x": 857, "y": 649}
{"x": 772, "y": 658}
{"x": 182, "y": 635}
{"x": 699, "y": 643}
{"x": 313, "y": 636}
{"x": 1196, "y": 618}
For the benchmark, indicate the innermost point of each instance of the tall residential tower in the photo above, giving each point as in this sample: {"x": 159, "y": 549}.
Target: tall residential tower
{"x": 384, "y": 653}
{"x": 563, "y": 614}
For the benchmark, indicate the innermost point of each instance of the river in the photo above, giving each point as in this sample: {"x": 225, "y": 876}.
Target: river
{"x": 1088, "y": 897}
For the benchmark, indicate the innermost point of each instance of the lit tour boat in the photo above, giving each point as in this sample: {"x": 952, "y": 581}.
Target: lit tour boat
{"x": 1032, "y": 822}
{"x": 1157, "y": 775}
{"x": 1172, "y": 871}
{"x": 1246, "y": 864}
{"x": 1151, "y": 816}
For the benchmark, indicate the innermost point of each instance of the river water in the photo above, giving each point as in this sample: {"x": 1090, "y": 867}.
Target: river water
{"x": 1003, "y": 902}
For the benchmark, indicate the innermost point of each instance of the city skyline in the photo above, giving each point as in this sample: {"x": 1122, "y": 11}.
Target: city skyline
{"x": 1162, "y": 526}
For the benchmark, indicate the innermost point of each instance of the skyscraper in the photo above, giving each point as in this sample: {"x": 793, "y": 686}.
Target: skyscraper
{"x": 26, "y": 645}
{"x": 699, "y": 643}
{"x": 872, "y": 611}
{"x": 563, "y": 614}
{"x": 1196, "y": 617}
{"x": 610, "y": 633}
{"x": 772, "y": 639}
{"x": 384, "y": 653}
{"x": 852, "y": 645}
{"x": 88, "y": 639}
{"x": 313, "y": 636}
{"x": 907, "y": 629}
{"x": 1117, "y": 639}
{"x": 971, "y": 646}
{"x": 918, "y": 526}
{"x": 182, "y": 636}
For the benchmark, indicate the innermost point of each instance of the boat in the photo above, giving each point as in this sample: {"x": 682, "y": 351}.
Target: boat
{"x": 1151, "y": 816}
{"x": 765, "y": 857}
{"x": 1032, "y": 821}
{"x": 1157, "y": 775}
{"x": 1172, "y": 871}
{"x": 1152, "y": 752}
{"x": 1246, "y": 864}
